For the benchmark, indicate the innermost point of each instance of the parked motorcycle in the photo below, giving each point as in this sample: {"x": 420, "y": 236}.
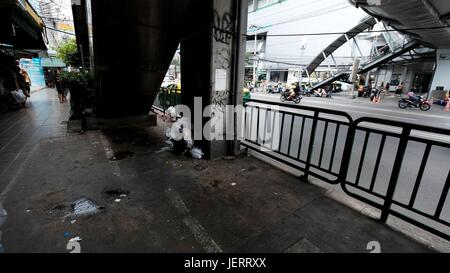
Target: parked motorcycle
{"x": 323, "y": 94}
{"x": 306, "y": 92}
{"x": 367, "y": 92}
{"x": 285, "y": 95}
{"x": 421, "y": 103}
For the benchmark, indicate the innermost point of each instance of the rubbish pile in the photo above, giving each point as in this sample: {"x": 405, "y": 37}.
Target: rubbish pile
{"x": 179, "y": 139}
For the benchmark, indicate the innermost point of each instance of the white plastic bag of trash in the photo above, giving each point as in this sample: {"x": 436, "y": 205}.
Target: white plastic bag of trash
{"x": 197, "y": 153}
{"x": 172, "y": 112}
{"x": 180, "y": 131}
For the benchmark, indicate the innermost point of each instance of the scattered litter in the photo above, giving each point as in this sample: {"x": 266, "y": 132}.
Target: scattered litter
{"x": 67, "y": 234}
{"x": 172, "y": 113}
{"x": 116, "y": 195}
{"x": 73, "y": 222}
{"x": 84, "y": 207}
{"x": 28, "y": 211}
{"x": 233, "y": 184}
{"x": 197, "y": 153}
{"x": 75, "y": 239}
{"x": 180, "y": 135}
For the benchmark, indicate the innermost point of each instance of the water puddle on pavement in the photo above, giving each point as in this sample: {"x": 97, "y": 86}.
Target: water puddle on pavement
{"x": 121, "y": 155}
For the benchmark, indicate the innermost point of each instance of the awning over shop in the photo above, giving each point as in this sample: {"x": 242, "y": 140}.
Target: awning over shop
{"x": 20, "y": 25}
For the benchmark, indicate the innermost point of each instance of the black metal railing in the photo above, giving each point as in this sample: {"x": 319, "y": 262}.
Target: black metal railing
{"x": 399, "y": 168}
{"x": 167, "y": 98}
{"x": 294, "y": 139}
{"x": 408, "y": 161}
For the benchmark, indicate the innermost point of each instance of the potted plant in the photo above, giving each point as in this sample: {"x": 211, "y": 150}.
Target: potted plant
{"x": 79, "y": 84}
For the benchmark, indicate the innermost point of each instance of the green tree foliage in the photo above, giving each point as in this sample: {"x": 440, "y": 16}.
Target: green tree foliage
{"x": 68, "y": 52}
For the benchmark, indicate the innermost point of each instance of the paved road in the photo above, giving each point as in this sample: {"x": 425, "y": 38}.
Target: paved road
{"x": 387, "y": 109}
{"x": 436, "y": 170}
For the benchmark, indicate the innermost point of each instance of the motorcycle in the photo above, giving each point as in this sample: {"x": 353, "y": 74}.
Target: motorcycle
{"x": 285, "y": 95}
{"x": 323, "y": 94}
{"x": 367, "y": 92}
{"x": 306, "y": 92}
{"x": 275, "y": 90}
{"x": 421, "y": 103}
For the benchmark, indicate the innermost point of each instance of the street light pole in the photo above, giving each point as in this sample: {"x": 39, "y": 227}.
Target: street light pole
{"x": 255, "y": 57}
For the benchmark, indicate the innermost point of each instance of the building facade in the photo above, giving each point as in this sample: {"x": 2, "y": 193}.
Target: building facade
{"x": 287, "y": 35}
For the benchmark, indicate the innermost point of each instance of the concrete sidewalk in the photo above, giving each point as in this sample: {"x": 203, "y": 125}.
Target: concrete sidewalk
{"x": 167, "y": 203}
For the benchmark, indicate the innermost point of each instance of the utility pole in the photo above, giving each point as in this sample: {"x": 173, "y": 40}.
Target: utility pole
{"x": 255, "y": 53}
{"x": 302, "y": 49}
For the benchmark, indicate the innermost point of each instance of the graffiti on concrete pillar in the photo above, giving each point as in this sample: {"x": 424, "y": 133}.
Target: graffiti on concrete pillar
{"x": 223, "y": 57}
{"x": 223, "y": 27}
{"x": 220, "y": 99}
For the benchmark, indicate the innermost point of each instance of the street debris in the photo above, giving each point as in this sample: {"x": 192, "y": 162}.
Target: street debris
{"x": 172, "y": 113}
{"x": 116, "y": 195}
{"x": 75, "y": 239}
{"x": 197, "y": 153}
{"x": 233, "y": 184}
{"x": 229, "y": 158}
{"x": 73, "y": 222}
{"x": 84, "y": 207}
{"x": 180, "y": 135}
{"x": 67, "y": 234}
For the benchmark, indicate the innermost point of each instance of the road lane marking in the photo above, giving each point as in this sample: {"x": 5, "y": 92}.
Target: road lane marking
{"x": 197, "y": 230}
{"x": 109, "y": 155}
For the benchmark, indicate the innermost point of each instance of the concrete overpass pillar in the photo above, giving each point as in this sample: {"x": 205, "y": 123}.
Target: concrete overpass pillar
{"x": 212, "y": 68}
{"x": 133, "y": 45}
{"x": 441, "y": 77}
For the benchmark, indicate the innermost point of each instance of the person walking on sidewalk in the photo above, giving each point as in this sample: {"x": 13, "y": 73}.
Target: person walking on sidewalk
{"x": 399, "y": 90}
{"x": 60, "y": 88}
{"x": 27, "y": 79}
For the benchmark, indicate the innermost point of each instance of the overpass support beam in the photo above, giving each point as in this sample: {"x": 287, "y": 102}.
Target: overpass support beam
{"x": 441, "y": 78}
{"x": 212, "y": 63}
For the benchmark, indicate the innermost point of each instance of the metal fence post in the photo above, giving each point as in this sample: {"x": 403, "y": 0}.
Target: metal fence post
{"x": 395, "y": 173}
{"x": 311, "y": 145}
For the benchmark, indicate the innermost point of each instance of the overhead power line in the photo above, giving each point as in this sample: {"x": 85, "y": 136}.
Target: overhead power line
{"x": 355, "y": 32}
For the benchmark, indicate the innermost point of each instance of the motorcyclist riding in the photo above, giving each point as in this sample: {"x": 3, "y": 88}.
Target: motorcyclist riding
{"x": 413, "y": 98}
{"x": 294, "y": 91}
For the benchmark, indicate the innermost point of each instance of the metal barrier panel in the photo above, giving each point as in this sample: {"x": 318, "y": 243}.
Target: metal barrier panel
{"x": 402, "y": 169}
{"x": 309, "y": 139}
